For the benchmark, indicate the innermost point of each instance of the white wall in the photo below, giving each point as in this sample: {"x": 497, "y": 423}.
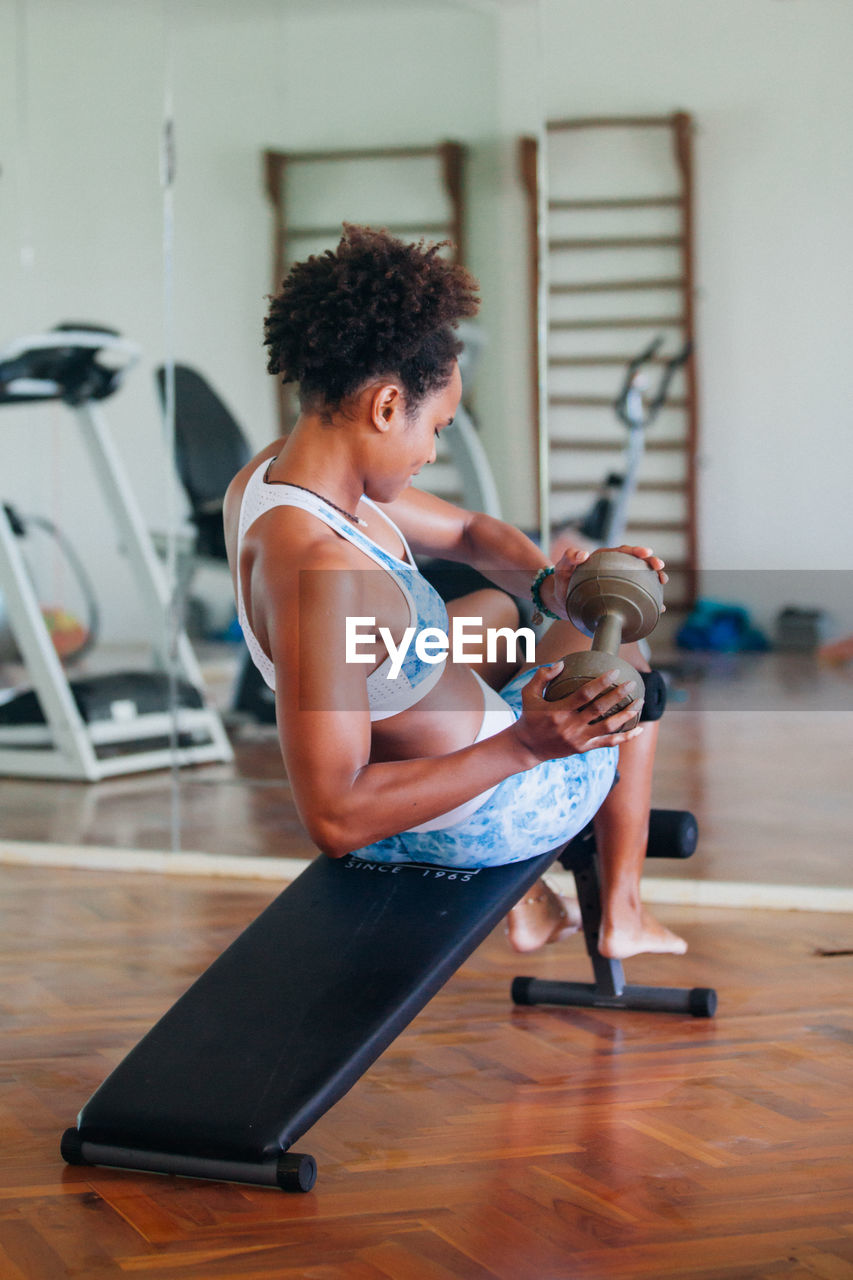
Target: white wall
{"x": 770, "y": 85}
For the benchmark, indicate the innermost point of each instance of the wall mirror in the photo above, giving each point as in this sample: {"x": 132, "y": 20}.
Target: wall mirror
{"x": 151, "y": 216}
{"x": 90, "y": 236}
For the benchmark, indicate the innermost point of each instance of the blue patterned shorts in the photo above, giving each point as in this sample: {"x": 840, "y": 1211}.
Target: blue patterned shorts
{"x": 526, "y": 815}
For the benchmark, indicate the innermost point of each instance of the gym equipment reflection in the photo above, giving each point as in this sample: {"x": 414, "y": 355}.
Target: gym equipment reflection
{"x": 125, "y": 721}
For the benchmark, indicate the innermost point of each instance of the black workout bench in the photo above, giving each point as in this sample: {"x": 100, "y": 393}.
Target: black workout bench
{"x": 290, "y": 1016}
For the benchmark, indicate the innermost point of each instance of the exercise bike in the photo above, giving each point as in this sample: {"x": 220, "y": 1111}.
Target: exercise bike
{"x": 607, "y": 518}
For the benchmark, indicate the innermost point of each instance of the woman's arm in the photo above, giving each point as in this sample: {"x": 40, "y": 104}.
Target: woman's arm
{"x": 498, "y": 550}
{"x": 344, "y": 800}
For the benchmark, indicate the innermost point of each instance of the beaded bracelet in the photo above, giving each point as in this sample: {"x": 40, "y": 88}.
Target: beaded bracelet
{"x": 536, "y": 595}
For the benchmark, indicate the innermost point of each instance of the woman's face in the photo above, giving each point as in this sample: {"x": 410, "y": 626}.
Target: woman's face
{"x": 408, "y": 438}
{"x": 422, "y": 427}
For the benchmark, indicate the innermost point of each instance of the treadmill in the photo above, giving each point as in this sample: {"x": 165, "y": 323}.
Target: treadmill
{"x": 124, "y": 721}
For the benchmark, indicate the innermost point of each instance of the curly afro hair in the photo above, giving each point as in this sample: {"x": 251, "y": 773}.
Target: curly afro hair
{"x": 374, "y": 306}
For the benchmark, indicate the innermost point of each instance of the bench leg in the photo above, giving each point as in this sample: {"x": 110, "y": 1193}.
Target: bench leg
{"x": 671, "y": 834}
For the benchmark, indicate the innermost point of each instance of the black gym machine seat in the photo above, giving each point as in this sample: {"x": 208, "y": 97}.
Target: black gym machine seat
{"x": 289, "y": 1017}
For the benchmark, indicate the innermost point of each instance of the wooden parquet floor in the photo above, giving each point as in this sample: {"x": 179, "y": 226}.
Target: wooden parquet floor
{"x": 488, "y": 1141}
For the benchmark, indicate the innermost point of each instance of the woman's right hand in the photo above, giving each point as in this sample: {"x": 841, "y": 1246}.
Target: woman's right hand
{"x": 550, "y": 730}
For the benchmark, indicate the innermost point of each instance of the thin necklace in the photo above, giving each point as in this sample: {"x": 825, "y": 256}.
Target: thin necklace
{"x": 357, "y": 520}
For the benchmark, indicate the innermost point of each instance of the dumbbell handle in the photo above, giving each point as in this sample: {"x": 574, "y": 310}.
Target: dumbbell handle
{"x": 608, "y": 633}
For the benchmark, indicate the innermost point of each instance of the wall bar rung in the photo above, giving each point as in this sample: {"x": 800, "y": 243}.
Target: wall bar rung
{"x": 569, "y": 401}
{"x": 571, "y": 243}
{"x": 619, "y": 322}
{"x": 611, "y": 122}
{"x": 657, "y": 526}
{"x": 617, "y": 286}
{"x": 615, "y": 446}
{"x": 633, "y": 202}
{"x": 367, "y": 153}
{"x": 588, "y": 362}
{"x": 591, "y": 486}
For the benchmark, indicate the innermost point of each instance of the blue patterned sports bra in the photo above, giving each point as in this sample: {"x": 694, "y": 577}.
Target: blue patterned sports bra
{"x": 386, "y": 695}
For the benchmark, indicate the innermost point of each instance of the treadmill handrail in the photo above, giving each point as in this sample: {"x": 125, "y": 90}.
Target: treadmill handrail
{"x": 93, "y": 361}
{"x": 92, "y": 340}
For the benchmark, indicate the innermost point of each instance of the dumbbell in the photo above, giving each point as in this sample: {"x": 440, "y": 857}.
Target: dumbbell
{"x": 617, "y": 599}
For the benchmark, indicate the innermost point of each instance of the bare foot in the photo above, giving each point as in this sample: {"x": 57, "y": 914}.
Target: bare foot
{"x": 543, "y": 916}
{"x": 641, "y": 934}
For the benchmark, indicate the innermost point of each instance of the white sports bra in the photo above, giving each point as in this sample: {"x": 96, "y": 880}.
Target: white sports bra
{"x": 386, "y": 695}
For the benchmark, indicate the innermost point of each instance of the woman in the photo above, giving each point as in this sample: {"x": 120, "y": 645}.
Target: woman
{"x": 420, "y": 759}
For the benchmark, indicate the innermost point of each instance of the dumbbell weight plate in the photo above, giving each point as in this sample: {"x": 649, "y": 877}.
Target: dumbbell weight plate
{"x": 618, "y": 583}
{"x": 587, "y": 665}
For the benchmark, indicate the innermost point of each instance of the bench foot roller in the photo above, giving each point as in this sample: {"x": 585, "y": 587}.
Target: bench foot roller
{"x": 291, "y": 1172}
{"x": 700, "y": 1002}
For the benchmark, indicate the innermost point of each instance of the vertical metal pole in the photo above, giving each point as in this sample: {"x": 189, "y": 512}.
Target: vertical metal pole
{"x": 683, "y": 138}
{"x": 26, "y": 247}
{"x": 543, "y": 295}
{"x": 174, "y": 610}
{"x": 276, "y": 169}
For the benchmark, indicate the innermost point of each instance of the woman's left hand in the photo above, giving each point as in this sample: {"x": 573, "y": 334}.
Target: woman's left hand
{"x": 556, "y": 587}
{"x": 646, "y": 554}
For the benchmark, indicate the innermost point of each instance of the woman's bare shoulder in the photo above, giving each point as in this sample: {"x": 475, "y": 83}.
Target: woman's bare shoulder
{"x": 284, "y": 544}
{"x": 234, "y": 492}
{"x": 293, "y": 565}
